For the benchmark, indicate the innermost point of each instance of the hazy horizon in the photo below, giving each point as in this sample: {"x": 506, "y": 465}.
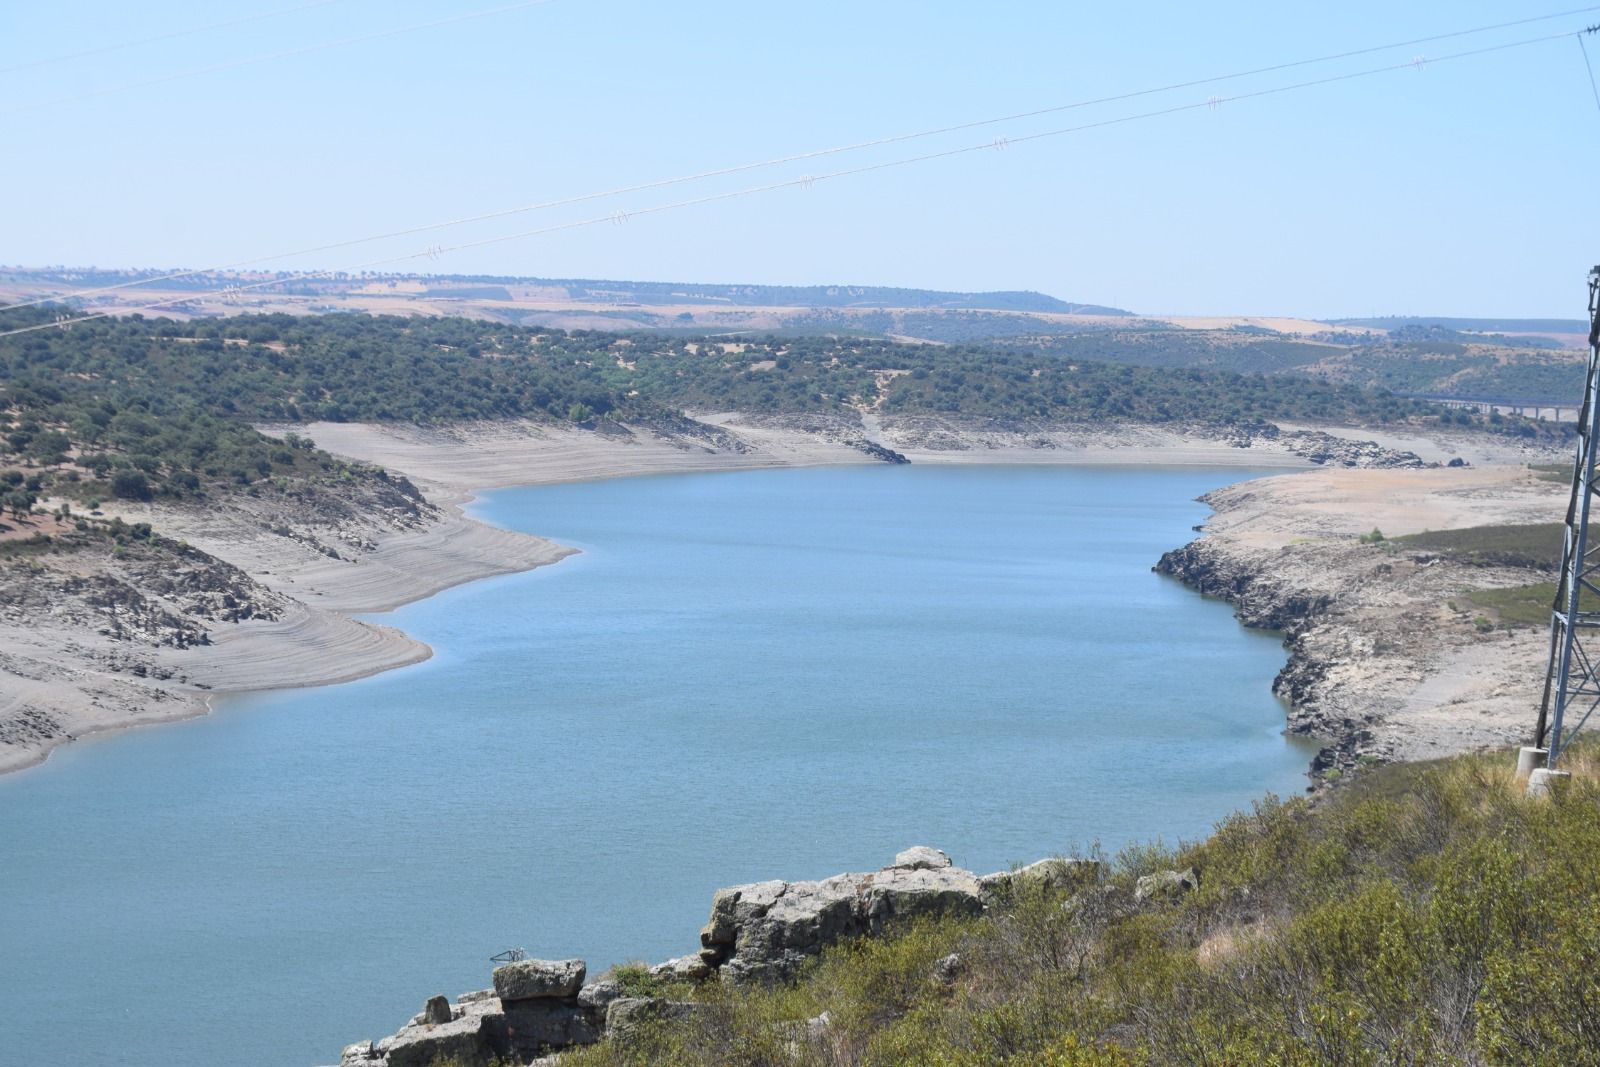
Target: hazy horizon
{"x": 1447, "y": 190}
{"x": 1486, "y": 315}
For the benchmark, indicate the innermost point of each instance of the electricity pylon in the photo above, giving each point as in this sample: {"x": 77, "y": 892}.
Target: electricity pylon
{"x": 1572, "y": 679}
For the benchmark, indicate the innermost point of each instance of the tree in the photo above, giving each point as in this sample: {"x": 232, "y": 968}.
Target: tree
{"x": 131, "y": 485}
{"x": 18, "y": 501}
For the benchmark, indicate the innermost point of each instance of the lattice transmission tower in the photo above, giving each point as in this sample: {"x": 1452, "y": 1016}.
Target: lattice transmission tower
{"x": 1572, "y": 679}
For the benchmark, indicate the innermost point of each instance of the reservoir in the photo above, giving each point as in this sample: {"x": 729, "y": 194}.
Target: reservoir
{"x": 744, "y": 676}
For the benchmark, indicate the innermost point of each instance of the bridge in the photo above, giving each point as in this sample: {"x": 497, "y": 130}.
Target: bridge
{"x": 1542, "y": 410}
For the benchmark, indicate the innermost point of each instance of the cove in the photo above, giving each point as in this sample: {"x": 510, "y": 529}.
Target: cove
{"x": 744, "y": 676}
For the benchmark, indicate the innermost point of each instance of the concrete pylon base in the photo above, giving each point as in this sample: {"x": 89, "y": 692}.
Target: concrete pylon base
{"x": 1530, "y": 759}
{"x": 1542, "y": 782}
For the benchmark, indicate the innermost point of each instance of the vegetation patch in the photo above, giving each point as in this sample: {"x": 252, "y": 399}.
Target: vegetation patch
{"x": 1523, "y": 605}
{"x": 1531, "y": 545}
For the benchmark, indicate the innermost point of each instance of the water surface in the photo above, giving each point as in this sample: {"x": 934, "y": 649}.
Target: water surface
{"x": 783, "y": 673}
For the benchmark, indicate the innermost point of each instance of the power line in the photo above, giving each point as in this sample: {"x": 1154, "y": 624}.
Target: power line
{"x": 801, "y": 182}
{"x": 801, "y": 156}
{"x": 268, "y": 57}
{"x": 1595, "y": 89}
{"x": 184, "y": 31}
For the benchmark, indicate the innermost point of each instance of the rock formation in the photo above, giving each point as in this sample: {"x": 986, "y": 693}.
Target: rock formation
{"x": 760, "y": 932}
{"x": 764, "y": 931}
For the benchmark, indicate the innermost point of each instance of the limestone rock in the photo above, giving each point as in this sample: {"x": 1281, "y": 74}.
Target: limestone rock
{"x": 764, "y": 931}
{"x": 682, "y": 969}
{"x": 1164, "y": 885}
{"x": 921, "y": 858}
{"x": 436, "y": 1011}
{"x": 598, "y": 995}
{"x": 422, "y": 1046}
{"x": 627, "y": 1016}
{"x": 358, "y": 1054}
{"x": 1052, "y": 874}
{"x": 539, "y": 979}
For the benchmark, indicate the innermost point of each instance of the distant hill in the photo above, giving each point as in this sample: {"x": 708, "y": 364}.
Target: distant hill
{"x": 1395, "y": 322}
{"x": 587, "y": 290}
{"x": 821, "y": 296}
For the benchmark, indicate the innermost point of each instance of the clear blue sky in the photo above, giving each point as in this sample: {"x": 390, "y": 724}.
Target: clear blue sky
{"x": 1465, "y": 188}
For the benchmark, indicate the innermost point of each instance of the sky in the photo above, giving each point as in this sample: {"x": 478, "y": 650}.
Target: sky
{"x": 1452, "y": 187}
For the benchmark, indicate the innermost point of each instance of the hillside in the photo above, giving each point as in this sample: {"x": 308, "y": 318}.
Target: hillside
{"x": 280, "y": 367}
{"x": 1428, "y": 914}
{"x": 1510, "y": 361}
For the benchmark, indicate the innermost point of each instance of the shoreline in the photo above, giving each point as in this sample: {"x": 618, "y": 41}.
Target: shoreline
{"x": 318, "y": 642}
{"x": 1383, "y": 664}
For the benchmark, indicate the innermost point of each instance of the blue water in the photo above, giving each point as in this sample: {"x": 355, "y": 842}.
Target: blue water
{"x": 785, "y": 673}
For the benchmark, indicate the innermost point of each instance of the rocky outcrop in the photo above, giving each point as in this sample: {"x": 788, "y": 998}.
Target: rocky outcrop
{"x": 1326, "y": 449}
{"x": 879, "y": 452}
{"x": 536, "y": 1006}
{"x": 539, "y": 979}
{"x": 1261, "y": 596}
{"x": 764, "y": 931}
{"x": 759, "y": 932}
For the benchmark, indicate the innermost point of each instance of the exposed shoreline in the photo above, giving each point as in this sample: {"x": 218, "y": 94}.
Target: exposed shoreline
{"x": 315, "y": 641}
{"x": 1383, "y": 663}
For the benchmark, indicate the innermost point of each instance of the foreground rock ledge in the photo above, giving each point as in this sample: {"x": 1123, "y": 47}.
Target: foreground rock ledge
{"x": 760, "y": 932}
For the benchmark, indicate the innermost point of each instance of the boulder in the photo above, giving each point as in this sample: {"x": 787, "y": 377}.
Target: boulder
{"x": 627, "y": 1016}
{"x": 682, "y": 969}
{"x": 764, "y": 931}
{"x": 921, "y": 858}
{"x": 358, "y": 1054}
{"x": 539, "y": 980}
{"x": 462, "y": 1039}
{"x": 733, "y": 908}
{"x": 436, "y": 1011}
{"x": 1050, "y": 874}
{"x": 1164, "y": 885}
{"x": 597, "y": 996}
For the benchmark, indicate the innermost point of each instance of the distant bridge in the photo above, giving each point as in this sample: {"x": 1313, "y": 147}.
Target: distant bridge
{"x": 1542, "y": 410}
